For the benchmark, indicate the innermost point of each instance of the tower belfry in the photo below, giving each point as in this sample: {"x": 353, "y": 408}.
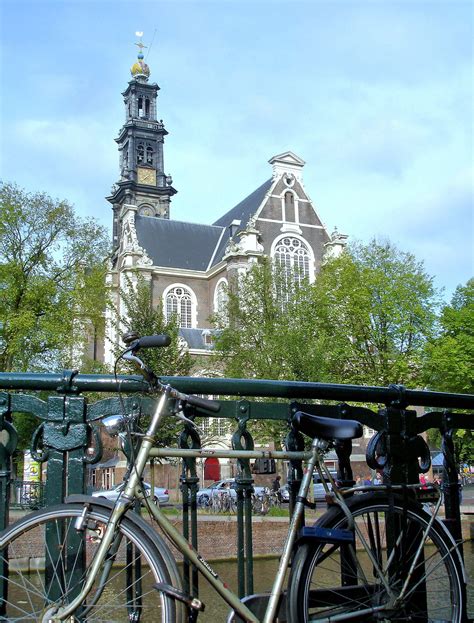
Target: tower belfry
{"x": 142, "y": 179}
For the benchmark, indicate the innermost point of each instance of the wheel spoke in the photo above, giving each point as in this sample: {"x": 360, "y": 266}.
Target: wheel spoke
{"x": 40, "y": 556}
{"x": 337, "y": 582}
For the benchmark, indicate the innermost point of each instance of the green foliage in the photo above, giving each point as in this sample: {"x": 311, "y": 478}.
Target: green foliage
{"x": 365, "y": 320}
{"x": 271, "y": 333}
{"x": 374, "y": 309}
{"x": 450, "y": 357}
{"x": 141, "y": 315}
{"x": 52, "y": 281}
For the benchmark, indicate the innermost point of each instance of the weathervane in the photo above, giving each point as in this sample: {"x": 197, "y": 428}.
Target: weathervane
{"x": 140, "y": 44}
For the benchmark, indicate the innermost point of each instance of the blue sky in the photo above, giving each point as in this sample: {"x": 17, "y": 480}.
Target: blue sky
{"x": 376, "y": 97}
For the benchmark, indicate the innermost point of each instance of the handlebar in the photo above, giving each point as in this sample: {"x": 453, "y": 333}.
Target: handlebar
{"x": 204, "y": 403}
{"x": 134, "y": 342}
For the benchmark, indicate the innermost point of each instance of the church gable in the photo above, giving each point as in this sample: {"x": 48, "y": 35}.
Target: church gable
{"x": 288, "y": 201}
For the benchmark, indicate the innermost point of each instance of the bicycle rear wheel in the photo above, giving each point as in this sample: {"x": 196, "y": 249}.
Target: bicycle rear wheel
{"x": 44, "y": 562}
{"x": 340, "y": 582}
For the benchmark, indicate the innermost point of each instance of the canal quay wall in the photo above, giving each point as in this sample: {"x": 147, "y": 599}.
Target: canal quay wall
{"x": 217, "y": 535}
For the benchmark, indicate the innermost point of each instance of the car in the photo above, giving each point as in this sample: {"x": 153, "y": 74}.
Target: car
{"x": 161, "y": 494}
{"x": 319, "y": 491}
{"x": 284, "y": 494}
{"x": 227, "y": 485}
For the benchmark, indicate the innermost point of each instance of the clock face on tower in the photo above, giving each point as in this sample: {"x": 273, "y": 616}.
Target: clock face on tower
{"x": 146, "y": 211}
{"x": 146, "y": 176}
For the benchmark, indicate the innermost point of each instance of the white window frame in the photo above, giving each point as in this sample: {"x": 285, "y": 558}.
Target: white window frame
{"x": 295, "y": 201}
{"x": 222, "y": 282}
{"x": 188, "y": 289}
{"x": 278, "y": 239}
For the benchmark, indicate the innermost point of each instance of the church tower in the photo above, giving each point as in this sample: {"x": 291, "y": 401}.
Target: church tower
{"x": 143, "y": 182}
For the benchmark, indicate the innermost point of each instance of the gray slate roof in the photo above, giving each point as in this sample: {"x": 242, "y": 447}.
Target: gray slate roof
{"x": 246, "y": 208}
{"x": 195, "y": 339}
{"x": 177, "y": 244}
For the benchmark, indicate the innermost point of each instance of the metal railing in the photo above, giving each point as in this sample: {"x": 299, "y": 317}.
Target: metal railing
{"x": 67, "y": 436}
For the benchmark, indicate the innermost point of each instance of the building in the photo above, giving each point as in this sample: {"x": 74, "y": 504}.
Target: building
{"x": 189, "y": 265}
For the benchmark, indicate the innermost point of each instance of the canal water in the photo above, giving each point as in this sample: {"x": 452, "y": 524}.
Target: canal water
{"x": 264, "y": 573}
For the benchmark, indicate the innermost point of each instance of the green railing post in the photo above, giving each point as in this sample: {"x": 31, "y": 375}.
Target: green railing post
{"x": 8, "y": 443}
{"x": 189, "y": 488}
{"x": 65, "y": 439}
{"x": 242, "y": 440}
{"x": 9, "y": 438}
{"x": 294, "y": 442}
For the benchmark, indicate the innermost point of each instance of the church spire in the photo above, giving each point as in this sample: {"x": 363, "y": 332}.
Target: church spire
{"x": 143, "y": 182}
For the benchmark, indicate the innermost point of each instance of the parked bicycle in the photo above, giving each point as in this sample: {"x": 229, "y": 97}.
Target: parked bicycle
{"x": 261, "y": 504}
{"x": 222, "y": 502}
{"x": 377, "y": 556}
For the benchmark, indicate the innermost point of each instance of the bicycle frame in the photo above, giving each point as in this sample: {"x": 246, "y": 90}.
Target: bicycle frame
{"x": 132, "y": 491}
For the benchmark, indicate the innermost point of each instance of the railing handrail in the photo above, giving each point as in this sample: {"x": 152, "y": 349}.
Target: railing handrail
{"x": 71, "y": 381}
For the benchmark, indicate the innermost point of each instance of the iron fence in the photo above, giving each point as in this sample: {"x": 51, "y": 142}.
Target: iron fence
{"x": 68, "y": 439}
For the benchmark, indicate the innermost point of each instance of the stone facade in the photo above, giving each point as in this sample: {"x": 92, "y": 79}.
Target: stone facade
{"x": 187, "y": 265}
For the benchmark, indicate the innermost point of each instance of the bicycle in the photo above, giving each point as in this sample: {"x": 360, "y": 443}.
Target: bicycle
{"x": 261, "y": 504}
{"x": 376, "y": 556}
{"x": 222, "y": 502}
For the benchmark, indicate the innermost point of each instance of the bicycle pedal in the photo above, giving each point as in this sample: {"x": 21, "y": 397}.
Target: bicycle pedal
{"x": 327, "y": 535}
{"x": 192, "y": 602}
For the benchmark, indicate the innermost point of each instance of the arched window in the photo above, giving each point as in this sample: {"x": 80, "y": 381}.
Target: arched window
{"x": 149, "y": 155}
{"x": 221, "y": 297}
{"x": 140, "y": 153}
{"x": 290, "y": 207}
{"x": 294, "y": 257}
{"x": 180, "y": 301}
{"x": 147, "y": 107}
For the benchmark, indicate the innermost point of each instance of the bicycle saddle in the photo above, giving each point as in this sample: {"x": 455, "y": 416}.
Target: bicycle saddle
{"x": 327, "y": 428}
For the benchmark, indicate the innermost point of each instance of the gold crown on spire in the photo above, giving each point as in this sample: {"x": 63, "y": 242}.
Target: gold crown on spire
{"x": 140, "y": 69}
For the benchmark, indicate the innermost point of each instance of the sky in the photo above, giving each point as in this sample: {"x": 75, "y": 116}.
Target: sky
{"x": 375, "y": 96}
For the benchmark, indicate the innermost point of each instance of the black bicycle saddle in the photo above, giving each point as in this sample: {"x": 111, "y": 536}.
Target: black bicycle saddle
{"x": 327, "y": 428}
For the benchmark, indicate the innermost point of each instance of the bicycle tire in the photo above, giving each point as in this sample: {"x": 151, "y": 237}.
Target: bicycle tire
{"x": 34, "y": 578}
{"x": 325, "y": 580}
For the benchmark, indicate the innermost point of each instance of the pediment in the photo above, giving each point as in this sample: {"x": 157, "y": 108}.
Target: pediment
{"x": 288, "y": 158}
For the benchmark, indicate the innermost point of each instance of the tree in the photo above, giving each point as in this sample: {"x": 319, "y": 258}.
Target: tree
{"x": 270, "y": 333}
{"x": 365, "y": 320}
{"x": 141, "y": 315}
{"x": 450, "y": 357}
{"x": 267, "y": 332}
{"x": 374, "y": 309}
{"x": 51, "y": 278}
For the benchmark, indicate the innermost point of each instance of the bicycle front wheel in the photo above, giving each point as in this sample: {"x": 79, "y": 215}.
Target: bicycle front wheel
{"x": 44, "y": 561}
{"x": 338, "y": 582}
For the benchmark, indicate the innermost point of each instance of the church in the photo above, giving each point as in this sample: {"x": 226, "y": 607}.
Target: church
{"x": 189, "y": 265}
